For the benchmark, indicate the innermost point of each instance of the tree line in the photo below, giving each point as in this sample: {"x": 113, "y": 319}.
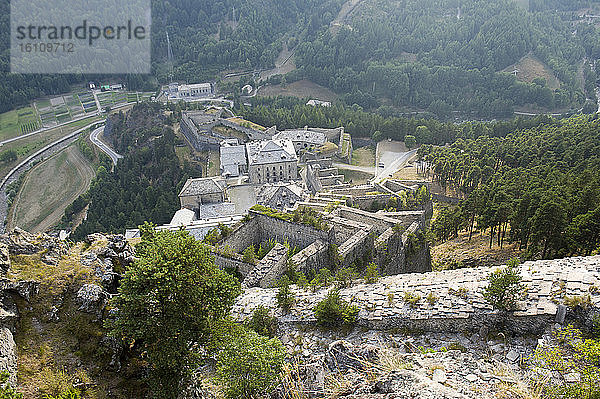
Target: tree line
{"x": 539, "y": 187}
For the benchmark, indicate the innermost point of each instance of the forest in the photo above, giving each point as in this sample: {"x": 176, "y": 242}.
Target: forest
{"x": 144, "y": 184}
{"x": 289, "y": 113}
{"x": 446, "y": 56}
{"x": 539, "y": 187}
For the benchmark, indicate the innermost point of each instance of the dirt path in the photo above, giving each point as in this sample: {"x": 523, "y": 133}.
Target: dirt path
{"x": 343, "y": 15}
{"x": 49, "y": 188}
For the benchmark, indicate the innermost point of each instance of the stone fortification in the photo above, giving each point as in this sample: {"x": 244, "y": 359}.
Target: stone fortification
{"x": 449, "y": 301}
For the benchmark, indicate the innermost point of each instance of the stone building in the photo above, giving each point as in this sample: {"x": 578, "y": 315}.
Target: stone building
{"x": 233, "y": 159}
{"x": 280, "y": 195}
{"x": 271, "y": 161}
{"x": 197, "y": 192}
{"x": 303, "y": 139}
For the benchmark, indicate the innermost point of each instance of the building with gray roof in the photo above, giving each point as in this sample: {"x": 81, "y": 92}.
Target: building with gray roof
{"x": 271, "y": 161}
{"x": 233, "y": 159}
{"x": 208, "y": 190}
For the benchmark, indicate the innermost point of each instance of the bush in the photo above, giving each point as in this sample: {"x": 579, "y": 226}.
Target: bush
{"x": 571, "y": 353}
{"x": 333, "y": 311}
{"x": 412, "y": 299}
{"x": 250, "y": 365}
{"x": 344, "y": 277}
{"x": 262, "y": 322}
{"x": 372, "y": 273}
{"x": 504, "y": 288}
{"x": 322, "y": 279}
{"x": 285, "y": 297}
{"x": 6, "y": 391}
{"x": 248, "y": 255}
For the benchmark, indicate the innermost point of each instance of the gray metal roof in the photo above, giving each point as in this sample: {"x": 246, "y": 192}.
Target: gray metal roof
{"x": 207, "y": 185}
{"x": 304, "y": 135}
{"x": 270, "y": 151}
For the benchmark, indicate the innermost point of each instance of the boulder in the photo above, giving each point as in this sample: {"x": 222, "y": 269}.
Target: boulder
{"x": 91, "y": 298}
{"x": 8, "y": 355}
{"x": 342, "y": 355}
{"x": 4, "y": 260}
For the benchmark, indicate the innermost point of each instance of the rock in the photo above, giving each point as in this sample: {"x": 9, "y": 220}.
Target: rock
{"x": 4, "y": 260}
{"x": 439, "y": 375}
{"x": 91, "y": 298}
{"x": 512, "y": 355}
{"x": 561, "y": 312}
{"x": 471, "y": 377}
{"x": 25, "y": 288}
{"x": 341, "y": 355}
{"x": 572, "y": 378}
{"x": 8, "y": 355}
{"x": 92, "y": 238}
{"x": 409, "y": 384}
{"x": 115, "y": 348}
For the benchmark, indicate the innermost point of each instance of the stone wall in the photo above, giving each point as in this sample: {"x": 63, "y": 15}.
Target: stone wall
{"x": 269, "y": 269}
{"x": 312, "y": 178}
{"x": 312, "y": 258}
{"x": 264, "y": 228}
{"x": 233, "y": 263}
{"x": 450, "y": 301}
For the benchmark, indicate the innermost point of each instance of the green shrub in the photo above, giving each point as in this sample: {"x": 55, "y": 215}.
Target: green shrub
{"x": 344, "y": 277}
{"x": 504, "y": 287}
{"x": 285, "y": 297}
{"x": 6, "y": 391}
{"x": 584, "y": 301}
{"x": 571, "y": 353}
{"x": 372, "y": 273}
{"x": 333, "y": 311}
{"x": 250, "y": 365}
{"x": 412, "y": 299}
{"x": 322, "y": 279}
{"x": 248, "y": 255}
{"x": 431, "y": 298}
{"x": 262, "y": 322}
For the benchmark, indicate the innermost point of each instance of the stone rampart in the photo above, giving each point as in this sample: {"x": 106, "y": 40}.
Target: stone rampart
{"x": 450, "y": 301}
{"x": 312, "y": 258}
{"x": 233, "y": 263}
{"x": 269, "y": 269}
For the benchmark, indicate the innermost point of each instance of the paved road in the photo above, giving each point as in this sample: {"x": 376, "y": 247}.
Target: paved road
{"x": 394, "y": 166}
{"x": 44, "y": 129}
{"x": 104, "y": 147}
{"x": 364, "y": 169}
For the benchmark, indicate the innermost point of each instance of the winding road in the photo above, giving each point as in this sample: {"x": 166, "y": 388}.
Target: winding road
{"x": 104, "y": 147}
{"x": 392, "y": 168}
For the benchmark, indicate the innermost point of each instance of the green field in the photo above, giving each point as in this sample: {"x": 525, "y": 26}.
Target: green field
{"x": 17, "y": 122}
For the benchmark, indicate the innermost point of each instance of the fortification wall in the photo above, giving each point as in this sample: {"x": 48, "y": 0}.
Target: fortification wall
{"x": 269, "y": 269}
{"x": 312, "y": 258}
{"x": 312, "y": 179}
{"x": 246, "y": 234}
{"x": 233, "y": 263}
{"x": 456, "y": 302}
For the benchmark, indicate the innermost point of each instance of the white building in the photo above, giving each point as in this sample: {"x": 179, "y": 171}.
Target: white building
{"x": 195, "y": 90}
{"x": 233, "y": 159}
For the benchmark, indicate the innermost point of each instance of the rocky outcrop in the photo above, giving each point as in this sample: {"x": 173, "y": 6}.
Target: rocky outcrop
{"x": 20, "y": 242}
{"x": 91, "y": 298}
{"x": 8, "y": 355}
{"x": 107, "y": 256}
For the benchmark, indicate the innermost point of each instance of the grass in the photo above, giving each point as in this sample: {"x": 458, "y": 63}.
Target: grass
{"x": 243, "y": 122}
{"x": 49, "y": 188}
{"x": 530, "y": 68}
{"x": 17, "y": 122}
{"x": 363, "y": 156}
{"x": 355, "y": 177}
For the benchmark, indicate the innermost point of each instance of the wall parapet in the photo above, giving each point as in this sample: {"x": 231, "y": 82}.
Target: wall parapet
{"x": 450, "y": 301}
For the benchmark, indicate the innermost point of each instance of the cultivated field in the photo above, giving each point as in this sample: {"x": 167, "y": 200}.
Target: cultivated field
{"x": 300, "y": 89}
{"x": 49, "y": 188}
{"x": 17, "y": 122}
